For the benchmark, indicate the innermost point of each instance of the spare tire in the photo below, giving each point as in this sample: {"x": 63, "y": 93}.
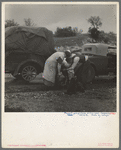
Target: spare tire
{"x": 90, "y": 74}
{"x": 86, "y": 73}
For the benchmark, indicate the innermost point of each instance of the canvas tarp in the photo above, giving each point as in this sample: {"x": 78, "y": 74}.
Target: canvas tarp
{"x": 29, "y": 39}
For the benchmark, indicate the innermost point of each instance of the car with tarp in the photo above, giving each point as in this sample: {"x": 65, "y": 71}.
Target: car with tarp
{"x": 26, "y": 50}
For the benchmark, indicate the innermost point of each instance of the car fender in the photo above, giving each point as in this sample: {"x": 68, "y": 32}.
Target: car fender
{"x": 16, "y": 71}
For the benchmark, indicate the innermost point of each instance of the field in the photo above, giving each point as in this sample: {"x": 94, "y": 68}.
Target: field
{"x": 71, "y": 43}
{"x": 74, "y": 43}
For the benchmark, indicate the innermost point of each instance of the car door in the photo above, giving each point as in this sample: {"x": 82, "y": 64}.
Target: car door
{"x": 100, "y": 63}
{"x": 13, "y": 59}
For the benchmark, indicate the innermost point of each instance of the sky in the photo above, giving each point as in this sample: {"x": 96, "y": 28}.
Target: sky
{"x": 52, "y": 16}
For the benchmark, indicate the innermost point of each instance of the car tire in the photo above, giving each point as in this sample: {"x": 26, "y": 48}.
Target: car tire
{"x": 91, "y": 74}
{"x": 28, "y": 72}
{"x": 86, "y": 73}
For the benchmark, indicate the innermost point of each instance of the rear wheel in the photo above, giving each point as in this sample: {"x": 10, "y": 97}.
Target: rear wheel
{"x": 28, "y": 72}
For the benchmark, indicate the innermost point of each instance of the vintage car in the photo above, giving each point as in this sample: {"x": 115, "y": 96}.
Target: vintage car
{"x": 26, "y": 50}
{"x": 102, "y": 58}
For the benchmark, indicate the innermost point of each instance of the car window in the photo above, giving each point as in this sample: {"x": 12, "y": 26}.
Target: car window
{"x": 88, "y": 49}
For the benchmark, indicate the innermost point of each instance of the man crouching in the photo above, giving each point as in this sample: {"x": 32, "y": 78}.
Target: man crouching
{"x": 73, "y": 83}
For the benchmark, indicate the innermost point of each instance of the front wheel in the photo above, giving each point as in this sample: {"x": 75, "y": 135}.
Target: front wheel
{"x": 28, "y": 72}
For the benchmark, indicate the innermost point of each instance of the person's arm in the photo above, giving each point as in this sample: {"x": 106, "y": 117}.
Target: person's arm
{"x": 65, "y": 63}
{"x": 59, "y": 63}
{"x": 59, "y": 69}
{"x": 75, "y": 62}
{"x": 60, "y": 60}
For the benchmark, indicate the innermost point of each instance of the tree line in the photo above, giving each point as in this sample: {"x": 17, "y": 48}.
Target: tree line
{"x": 95, "y": 34}
{"x": 99, "y": 35}
{"x": 27, "y": 22}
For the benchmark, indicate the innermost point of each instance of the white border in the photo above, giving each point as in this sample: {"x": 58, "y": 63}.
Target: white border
{"x": 5, "y": 117}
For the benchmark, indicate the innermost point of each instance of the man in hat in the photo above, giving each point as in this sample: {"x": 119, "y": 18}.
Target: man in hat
{"x": 74, "y": 60}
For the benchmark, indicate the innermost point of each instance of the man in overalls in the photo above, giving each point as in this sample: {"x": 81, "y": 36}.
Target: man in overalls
{"x": 75, "y": 62}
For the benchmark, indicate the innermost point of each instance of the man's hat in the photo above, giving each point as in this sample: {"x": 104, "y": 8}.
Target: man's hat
{"x": 68, "y": 53}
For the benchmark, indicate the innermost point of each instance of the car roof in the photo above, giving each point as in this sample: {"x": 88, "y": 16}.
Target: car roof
{"x": 97, "y": 48}
{"x": 98, "y": 45}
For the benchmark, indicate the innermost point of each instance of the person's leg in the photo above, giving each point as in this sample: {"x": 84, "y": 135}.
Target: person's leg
{"x": 48, "y": 85}
{"x": 80, "y": 87}
{"x": 71, "y": 87}
{"x": 66, "y": 80}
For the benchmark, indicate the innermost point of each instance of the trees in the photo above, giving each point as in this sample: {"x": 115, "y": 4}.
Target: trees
{"x": 94, "y": 33}
{"x": 66, "y": 32}
{"x": 75, "y": 30}
{"x": 29, "y": 22}
{"x": 100, "y": 36}
{"x": 95, "y": 22}
{"x": 108, "y": 38}
{"x": 9, "y": 23}
{"x": 80, "y": 31}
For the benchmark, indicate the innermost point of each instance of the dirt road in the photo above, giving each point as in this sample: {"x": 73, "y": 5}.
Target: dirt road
{"x": 100, "y": 96}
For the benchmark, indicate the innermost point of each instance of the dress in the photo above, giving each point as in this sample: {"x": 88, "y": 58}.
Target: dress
{"x": 50, "y": 68}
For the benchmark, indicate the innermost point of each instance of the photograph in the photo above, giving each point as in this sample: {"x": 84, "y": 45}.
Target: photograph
{"x": 60, "y": 74}
{"x": 60, "y": 58}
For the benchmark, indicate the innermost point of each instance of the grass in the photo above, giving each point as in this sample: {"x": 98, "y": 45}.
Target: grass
{"x": 71, "y": 41}
{"x": 35, "y": 97}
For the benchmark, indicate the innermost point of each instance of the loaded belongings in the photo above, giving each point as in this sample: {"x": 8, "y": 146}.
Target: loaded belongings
{"x": 29, "y": 39}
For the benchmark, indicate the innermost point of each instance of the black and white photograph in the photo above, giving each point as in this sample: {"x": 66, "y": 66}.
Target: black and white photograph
{"x": 60, "y": 57}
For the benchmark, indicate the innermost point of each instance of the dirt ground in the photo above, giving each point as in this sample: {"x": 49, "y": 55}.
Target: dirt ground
{"x": 100, "y": 96}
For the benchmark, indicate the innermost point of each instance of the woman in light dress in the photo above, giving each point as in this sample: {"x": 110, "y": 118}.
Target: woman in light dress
{"x": 53, "y": 66}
